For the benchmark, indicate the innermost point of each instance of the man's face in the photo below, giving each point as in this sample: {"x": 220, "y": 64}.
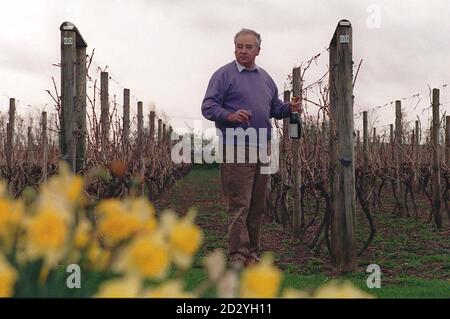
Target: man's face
{"x": 245, "y": 50}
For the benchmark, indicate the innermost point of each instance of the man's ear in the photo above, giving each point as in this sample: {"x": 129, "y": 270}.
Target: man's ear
{"x": 257, "y": 52}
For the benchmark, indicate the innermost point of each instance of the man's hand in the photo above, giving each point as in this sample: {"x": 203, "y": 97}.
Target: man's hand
{"x": 241, "y": 116}
{"x": 294, "y": 105}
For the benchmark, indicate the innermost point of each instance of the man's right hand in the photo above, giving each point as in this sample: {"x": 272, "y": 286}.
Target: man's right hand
{"x": 241, "y": 116}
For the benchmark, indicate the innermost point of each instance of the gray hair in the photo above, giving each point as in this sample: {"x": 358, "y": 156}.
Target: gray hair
{"x": 249, "y": 31}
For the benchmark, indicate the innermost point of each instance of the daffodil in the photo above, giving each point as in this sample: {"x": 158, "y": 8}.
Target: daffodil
{"x": 215, "y": 264}
{"x": 65, "y": 187}
{"x": 169, "y": 289}
{"x": 116, "y": 223}
{"x": 111, "y": 205}
{"x": 146, "y": 256}
{"x": 82, "y": 234}
{"x": 145, "y": 211}
{"x": 141, "y": 207}
{"x": 11, "y": 213}
{"x": 184, "y": 236}
{"x": 261, "y": 280}
{"x": 3, "y": 189}
{"x": 294, "y": 293}
{"x": 8, "y": 277}
{"x": 149, "y": 226}
{"x": 228, "y": 285}
{"x": 47, "y": 233}
{"x": 340, "y": 290}
{"x": 127, "y": 287}
{"x": 97, "y": 257}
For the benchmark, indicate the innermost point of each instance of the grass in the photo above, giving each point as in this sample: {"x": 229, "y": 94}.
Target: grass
{"x": 414, "y": 258}
{"x": 407, "y": 287}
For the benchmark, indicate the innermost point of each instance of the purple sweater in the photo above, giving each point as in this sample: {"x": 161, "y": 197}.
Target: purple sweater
{"x": 230, "y": 90}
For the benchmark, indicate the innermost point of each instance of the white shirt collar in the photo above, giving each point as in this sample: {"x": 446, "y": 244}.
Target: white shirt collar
{"x": 241, "y": 68}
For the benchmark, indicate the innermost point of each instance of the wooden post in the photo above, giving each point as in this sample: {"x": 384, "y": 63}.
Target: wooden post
{"x": 436, "y": 165}
{"x": 126, "y": 119}
{"x": 342, "y": 175}
{"x": 392, "y": 140}
{"x": 10, "y": 132}
{"x": 10, "y": 127}
{"x": 2, "y": 144}
{"x": 447, "y": 141}
{"x": 284, "y": 154}
{"x": 417, "y": 142}
{"x": 447, "y": 158}
{"x": 140, "y": 125}
{"x": 391, "y": 133}
{"x": 169, "y": 136}
{"x": 286, "y": 98}
{"x": 44, "y": 145}
{"x": 164, "y": 134}
{"x": 399, "y": 157}
{"x": 295, "y": 144}
{"x": 159, "y": 130}
{"x": 69, "y": 39}
{"x": 365, "y": 147}
{"x": 104, "y": 101}
{"x": 81, "y": 108}
{"x": 152, "y": 126}
{"x": 373, "y": 144}
{"x": 30, "y": 144}
{"x": 140, "y": 139}
{"x": 358, "y": 142}
{"x": 285, "y": 138}
{"x": 73, "y": 96}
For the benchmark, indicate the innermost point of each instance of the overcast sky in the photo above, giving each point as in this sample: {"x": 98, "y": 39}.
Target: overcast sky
{"x": 166, "y": 51}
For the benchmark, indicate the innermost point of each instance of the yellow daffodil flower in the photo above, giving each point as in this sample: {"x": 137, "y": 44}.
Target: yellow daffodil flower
{"x": 340, "y": 290}
{"x": 11, "y": 213}
{"x": 169, "y": 289}
{"x": 145, "y": 211}
{"x": 294, "y": 293}
{"x": 184, "y": 236}
{"x": 146, "y": 256}
{"x": 115, "y": 222}
{"x": 47, "y": 233}
{"x": 127, "y": 287}
{"x": 261, "y": 280}
{"x": 8, "y": 277}
{"x": 65, "y": 187}
{"x": 82, "y": 234}
{"x": 98, "y": 258}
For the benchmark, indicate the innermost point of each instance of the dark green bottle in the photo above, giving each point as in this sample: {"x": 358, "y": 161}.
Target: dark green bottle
{"x": 295, "y": 126}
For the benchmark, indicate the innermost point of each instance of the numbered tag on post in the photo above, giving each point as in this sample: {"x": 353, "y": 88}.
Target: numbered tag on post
{"x": 344, "y": 38}
{"x": 68, "y": 41}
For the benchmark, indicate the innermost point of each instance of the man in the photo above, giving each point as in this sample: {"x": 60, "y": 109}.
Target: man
{"x": 243, "y": 96}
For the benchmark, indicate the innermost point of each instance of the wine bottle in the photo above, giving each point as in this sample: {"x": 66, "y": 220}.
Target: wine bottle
{"x": 295, "y": 126}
